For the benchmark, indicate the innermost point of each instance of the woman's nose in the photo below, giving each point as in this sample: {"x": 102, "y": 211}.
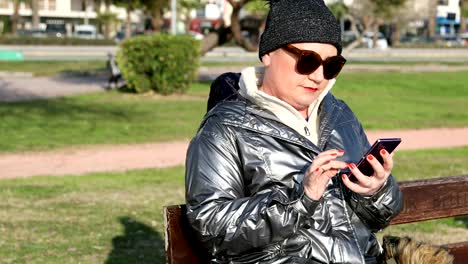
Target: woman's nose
{"x": 317, "y": 75}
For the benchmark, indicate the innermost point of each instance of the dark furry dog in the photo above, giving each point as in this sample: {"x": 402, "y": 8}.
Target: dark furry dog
{"x": 404, "y": 250}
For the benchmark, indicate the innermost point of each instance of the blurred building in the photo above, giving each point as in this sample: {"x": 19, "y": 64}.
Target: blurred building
{"x": 417, "y": 15}
{"x": 448, "y": 17}
{"x": 67, "y": 12}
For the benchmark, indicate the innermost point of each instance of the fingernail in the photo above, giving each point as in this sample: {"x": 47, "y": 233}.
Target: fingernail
{"x": 317, "y": 169}
{"x": 341, "y": 151}
{"x": 333, "y": 154}
{"x": 343, "y": 176}
{"x": 370, "y": 157}
{"x": 351, "y": 166}
{"x": 383, "y": 151}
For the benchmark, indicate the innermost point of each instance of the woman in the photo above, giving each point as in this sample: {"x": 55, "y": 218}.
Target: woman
{"x": 263, "y": 181}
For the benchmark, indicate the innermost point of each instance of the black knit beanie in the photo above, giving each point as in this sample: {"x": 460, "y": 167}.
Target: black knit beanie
{"x": 294, "y": 21}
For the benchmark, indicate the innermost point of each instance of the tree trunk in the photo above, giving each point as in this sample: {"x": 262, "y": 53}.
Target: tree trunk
{"x": 15, "y": 17}
{"x": 375, "y": 37}
{"x": 108, "y": 22}
{"x": 86, "y": 19}
{"x": 128, "y": 24}
{"x": 35, "y": 14}
{"x": 431, "y": 25}
{"x": 157, "y": 19}
{"x": 463, "y": 5}
{"x": 396, "y": 34}
{"x": 214, "y": 39}
{"x": 236, "y": 29}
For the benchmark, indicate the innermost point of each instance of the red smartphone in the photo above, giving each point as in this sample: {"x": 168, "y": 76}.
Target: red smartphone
{"x": 389, "y": 144}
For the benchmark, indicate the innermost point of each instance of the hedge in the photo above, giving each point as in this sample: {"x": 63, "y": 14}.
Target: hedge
{"x": 163, "y": 63}
{"x": 28, "y": 40}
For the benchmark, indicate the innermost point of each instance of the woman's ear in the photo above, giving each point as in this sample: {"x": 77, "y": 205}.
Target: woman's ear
{"x": 266, "y": 60}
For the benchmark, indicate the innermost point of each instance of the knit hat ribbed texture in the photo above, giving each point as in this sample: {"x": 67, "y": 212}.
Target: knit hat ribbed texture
{"x": 295, "y": 21}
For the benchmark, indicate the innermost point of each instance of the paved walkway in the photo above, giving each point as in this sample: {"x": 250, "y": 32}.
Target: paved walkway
{"x": 76, "y": 161}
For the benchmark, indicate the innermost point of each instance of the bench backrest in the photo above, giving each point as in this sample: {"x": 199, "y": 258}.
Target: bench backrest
{"x": 422, "y": 199}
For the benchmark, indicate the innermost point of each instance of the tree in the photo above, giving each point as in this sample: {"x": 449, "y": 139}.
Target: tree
{"x": 371, "y": 14}
{"x": 15, "y": 18}
{"x": 431, "y": 24}
{"x": 185, "y": 7}
{"x": 130, "y": 6}
{"x": 225, "y": 33}
{"x": 35, "y": 13}
{"x": 155, "y": 8}
{"x": 236, "y": 28}
{"x": 106, "y": 18}
{"x": 463, "y": 15}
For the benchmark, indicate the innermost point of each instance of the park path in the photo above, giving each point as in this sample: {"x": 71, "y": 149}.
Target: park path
{"x": 102, "y": 158}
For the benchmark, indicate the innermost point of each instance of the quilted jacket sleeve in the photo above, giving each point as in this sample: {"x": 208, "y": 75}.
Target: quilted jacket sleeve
{"x": 226, "y": 219}
{"x": 379, "y": 209}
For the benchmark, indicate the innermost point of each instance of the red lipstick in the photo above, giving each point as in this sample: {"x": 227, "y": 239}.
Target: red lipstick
{"x": 311, "y": 89}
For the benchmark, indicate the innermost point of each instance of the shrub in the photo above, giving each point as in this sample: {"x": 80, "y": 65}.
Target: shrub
{"x": 163, "y": 63}
{"x": 28, "y": 40}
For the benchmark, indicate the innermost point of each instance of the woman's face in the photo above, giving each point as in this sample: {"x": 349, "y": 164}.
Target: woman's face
{"x": 284, "y": 82}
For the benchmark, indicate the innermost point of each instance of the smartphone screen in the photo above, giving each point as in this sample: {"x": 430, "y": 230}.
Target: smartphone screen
{"x": 389, "y": 144}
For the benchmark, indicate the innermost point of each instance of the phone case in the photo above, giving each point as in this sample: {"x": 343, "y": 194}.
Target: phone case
{"x": 389, "y": 144}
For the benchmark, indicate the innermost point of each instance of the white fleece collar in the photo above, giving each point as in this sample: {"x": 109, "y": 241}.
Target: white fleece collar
{"x": 252, "y": 78}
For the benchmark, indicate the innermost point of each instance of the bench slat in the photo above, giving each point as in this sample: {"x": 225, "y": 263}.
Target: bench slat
{"x": 459, "y": 251}
{"x": 433, "y": 199}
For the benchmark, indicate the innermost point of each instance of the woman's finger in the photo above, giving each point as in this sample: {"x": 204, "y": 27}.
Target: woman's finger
{"x": 379, "y": 171}
{"x": 388, "y": 160}
{"x": 353, "y": 186}
{"x": 334, "y": 164}
{"x": 363, "y": 180}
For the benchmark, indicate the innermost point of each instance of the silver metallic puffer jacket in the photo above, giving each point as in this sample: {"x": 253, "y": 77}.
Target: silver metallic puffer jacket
{"x": 244, "y": 193}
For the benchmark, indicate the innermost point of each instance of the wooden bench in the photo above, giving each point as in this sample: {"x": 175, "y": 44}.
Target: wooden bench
{"x": 422, "y": 199}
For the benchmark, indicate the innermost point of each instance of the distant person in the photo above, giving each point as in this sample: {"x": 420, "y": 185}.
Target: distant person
{"x": 263, "y": 181}
{"x": 114, "y": 71}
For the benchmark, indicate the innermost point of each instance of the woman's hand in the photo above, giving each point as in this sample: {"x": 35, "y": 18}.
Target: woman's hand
{"x": 370, "y": 184}
{"x": 320, "y": 171}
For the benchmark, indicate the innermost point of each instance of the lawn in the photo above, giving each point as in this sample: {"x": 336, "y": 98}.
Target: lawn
{"x": 117, "y": 217}
{"x": 49, "y": 68}
{"x": 380, "y": 100}
{"x": 102, "y": 118}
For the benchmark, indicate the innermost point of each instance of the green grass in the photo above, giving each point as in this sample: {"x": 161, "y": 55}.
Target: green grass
{"x": 380, "y": 100}
{"x": 49, "y": 68}
{"x": 102, "y": 118}
{"x": 117, "y": 217}
{"x": 97, "y": 218}
{"x": 406, "y": 100}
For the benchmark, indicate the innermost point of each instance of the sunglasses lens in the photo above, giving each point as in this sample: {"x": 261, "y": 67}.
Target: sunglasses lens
{"x": 332, "y": 66}
{"x": 308, "y": 63}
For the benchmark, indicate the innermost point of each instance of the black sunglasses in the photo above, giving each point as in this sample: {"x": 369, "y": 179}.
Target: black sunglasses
{"x": 308, "y": 61}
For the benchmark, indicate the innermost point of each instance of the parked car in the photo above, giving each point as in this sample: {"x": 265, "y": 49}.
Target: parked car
{"x": 452, "y": 40}
{"x": 32, "y": 32}
{"x": 120, "y": 35}
{"x": 464, "y": 37}
{"x": 368, "y": 40}
{"x": 56, "y": 28}
{"x": 86, "y": 32}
